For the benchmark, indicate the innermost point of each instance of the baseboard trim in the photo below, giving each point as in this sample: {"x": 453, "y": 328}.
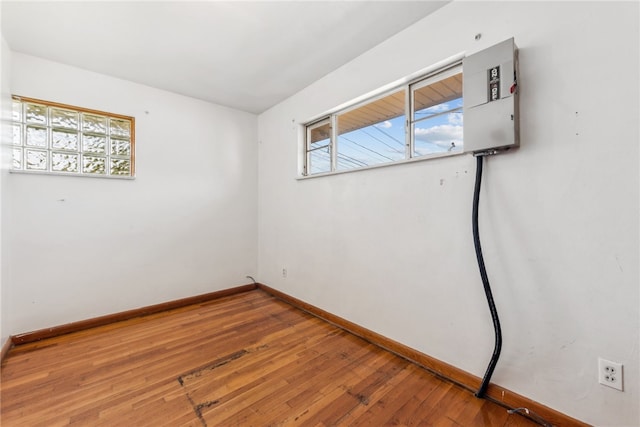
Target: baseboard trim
{"x": 81, "y": 325}
{"x": 537, "y": 412}
{"x": 5, "y": 349}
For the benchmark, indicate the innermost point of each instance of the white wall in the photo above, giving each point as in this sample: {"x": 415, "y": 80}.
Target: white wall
{"x": 5, "y": 134}
{"x": 78, "y": 248}
{"x": 391, "y": 248}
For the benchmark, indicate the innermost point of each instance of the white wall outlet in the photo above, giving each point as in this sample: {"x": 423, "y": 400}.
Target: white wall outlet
{"x": 284, "y": 273}
{"x": 610, "y": 373}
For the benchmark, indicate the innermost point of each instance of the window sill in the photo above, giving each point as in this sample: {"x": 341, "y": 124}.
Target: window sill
{"x": 75, "y": 175}
{"x": 383, "y": 165}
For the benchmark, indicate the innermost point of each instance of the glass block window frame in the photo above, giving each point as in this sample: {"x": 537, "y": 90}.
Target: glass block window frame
{"x": 54, "y": 138}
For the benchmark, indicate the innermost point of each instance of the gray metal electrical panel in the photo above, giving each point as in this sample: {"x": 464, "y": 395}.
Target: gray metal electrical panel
{"x": 491, "y": 99}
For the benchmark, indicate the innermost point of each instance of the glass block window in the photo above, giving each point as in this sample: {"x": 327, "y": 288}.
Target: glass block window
{"x": 62, "y": 139}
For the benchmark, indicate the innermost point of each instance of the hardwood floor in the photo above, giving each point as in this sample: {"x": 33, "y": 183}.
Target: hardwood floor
{"x": 242, "y": 360}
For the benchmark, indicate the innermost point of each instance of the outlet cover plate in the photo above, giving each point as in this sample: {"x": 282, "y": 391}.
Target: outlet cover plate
{"x": 610, "y": 374}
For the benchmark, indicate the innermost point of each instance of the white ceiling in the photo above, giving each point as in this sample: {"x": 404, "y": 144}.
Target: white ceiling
{"x": 242, "y": 54}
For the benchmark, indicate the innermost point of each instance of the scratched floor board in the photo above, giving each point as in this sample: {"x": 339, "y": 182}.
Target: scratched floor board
{"x": 247, "y": 359}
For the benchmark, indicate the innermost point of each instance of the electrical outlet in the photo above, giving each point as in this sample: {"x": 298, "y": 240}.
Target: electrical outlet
{"x": 610, "y": 373}
{"x": 284, "y": 273}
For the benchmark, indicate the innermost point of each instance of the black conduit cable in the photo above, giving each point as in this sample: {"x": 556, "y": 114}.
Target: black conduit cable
{"x": 485, "y": 281}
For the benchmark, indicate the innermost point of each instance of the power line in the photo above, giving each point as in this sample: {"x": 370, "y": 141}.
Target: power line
{"x": 352, "y": 160}
{"x": 366, "y": 148}
{"x": 320, "y": 158}
{"x": 441, "y": 113}
{"x": 381, "y": 141}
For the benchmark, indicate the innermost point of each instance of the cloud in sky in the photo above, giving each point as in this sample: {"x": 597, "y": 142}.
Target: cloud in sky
{"x": 455, "y": 118}
{"x": 441, "y": 135}
{"x": 437, "y": 108}
{"x": 384, "y": 125}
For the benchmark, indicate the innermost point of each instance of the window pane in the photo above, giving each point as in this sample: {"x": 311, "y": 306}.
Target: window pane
{"x": 120, "y": 167}
{"x": 16, "y": 115}
{"x": 36, "y": 113}
{"x": 437, "y": 116}
{"x": 94, "y": 144}
{"x": 17, "y": 134}
{"x": 120, "y": 128}
{"x": 94, "y": 124}
{"x": 373, "y": 133}
{"x": 36, "y": 160}
{"x": 120, "y": 147}
{"x": 94, "y": 165}
{"x": 61, "y": 140}
{"x": 320, "y": 161}
{"x": 319, "y": 148}
{"x": 63, "y": 162}
{"x": 36, "y": 136}
{"x": 17, "y": 158}
{"x": 64, "y": 118}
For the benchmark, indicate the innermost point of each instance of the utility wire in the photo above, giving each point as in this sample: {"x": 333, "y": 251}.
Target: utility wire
{"x": 442, "y": 113}
{"x": 394, "y": 149}
{"x": 352, "y": 160}
{"x": 390, "y": 136}
{"x": 366, "y": 148}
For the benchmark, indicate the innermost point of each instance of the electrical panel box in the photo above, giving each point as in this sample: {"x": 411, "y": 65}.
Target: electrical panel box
{"x": 490, "y": 105}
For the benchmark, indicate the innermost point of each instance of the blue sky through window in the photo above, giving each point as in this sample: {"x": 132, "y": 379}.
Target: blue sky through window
{"x": 437, "y": 129}
{"x": 374, "y": 132}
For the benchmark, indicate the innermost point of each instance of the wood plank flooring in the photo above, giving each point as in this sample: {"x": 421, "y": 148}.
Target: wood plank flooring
{"x": 242, "y": 360}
